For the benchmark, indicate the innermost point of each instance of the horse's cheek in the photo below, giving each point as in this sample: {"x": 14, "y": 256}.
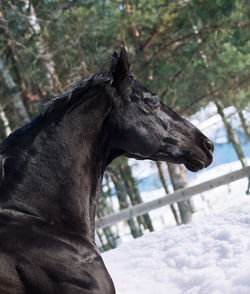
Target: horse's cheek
{"x": 149, "y": 142}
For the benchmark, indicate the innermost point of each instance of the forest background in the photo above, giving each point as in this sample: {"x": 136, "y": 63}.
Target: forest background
{"x": 191, "y": 52}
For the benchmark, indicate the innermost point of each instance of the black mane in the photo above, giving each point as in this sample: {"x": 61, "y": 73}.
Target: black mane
{"x": 54, "y": 108}
{"x": 72, "y": 97}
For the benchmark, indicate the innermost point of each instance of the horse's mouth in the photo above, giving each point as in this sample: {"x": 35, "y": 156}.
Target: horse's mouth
{"x": 192, "y": 162}
{"x": 195, "y": 164}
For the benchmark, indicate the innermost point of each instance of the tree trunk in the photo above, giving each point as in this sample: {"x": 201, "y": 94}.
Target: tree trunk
{"x": 231, "y": 135}
{"x": 11, "y": 52}
{"x": 109, "y": 191}
{"x": 133, "y": 32}
{"x": 16, "y": 98}
{"x": 100, "y": 238}
{"x": 53, "y": 80}
{"x": 177, "y": 174}
{"x": 16, "y": 68}
{"x": 102, "y": 210}
{"x": 2, "y": 128}
{"x": 165, "y": 186}
{"x": 133, "y": 192}
{"x": 243, "y": 122}
{"x": 4, "y": 125}
{"x": 122, "y": 197}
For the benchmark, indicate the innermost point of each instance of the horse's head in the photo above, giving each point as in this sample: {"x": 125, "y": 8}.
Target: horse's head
{"x": 144, "y": 128}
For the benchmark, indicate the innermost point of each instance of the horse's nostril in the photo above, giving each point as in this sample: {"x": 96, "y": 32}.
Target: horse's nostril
{"x": 208, "y": 145}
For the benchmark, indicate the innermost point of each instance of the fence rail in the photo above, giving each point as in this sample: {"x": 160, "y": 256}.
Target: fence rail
{"x": 176, "y": 196}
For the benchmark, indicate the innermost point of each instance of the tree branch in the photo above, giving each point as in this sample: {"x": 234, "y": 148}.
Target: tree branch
{"x": 183, "y": 38}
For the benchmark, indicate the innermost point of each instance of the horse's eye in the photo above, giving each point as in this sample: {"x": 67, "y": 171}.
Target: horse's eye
{"x": 152, "y": 101}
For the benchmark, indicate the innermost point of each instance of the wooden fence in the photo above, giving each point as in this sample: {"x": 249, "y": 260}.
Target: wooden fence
{"x": 176, "y": 196}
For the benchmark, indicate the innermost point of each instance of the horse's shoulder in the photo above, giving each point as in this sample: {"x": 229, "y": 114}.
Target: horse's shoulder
{"x": 18, "y": 274}
{"x": 40, "y": 254}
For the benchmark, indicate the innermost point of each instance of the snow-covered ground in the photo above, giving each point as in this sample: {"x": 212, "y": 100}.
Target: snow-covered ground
{"x": 209, "y": 256}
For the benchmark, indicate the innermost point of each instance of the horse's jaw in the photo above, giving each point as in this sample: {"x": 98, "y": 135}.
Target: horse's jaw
{"x": 193, "y": 161}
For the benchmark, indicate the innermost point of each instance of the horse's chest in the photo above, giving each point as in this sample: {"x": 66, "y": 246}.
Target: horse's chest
{"x": 40, "y": 260}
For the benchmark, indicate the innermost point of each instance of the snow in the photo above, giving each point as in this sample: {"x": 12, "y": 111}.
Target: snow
{"x": 209, "y": 256}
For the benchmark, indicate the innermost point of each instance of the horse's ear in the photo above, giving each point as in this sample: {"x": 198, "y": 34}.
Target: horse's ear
{"x": 120, "y": 67}
{"x": 114, "y": 60}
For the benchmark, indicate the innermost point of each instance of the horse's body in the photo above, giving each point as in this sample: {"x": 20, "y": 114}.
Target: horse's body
{"x": 51, "y": 170}
{"x": 38, "y": 258}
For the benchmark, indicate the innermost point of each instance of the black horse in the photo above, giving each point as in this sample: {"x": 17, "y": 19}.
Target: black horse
{"x": 51, "y": 169}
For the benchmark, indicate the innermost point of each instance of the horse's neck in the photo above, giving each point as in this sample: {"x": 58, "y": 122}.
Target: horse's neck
{"x": 62, "y": 171}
